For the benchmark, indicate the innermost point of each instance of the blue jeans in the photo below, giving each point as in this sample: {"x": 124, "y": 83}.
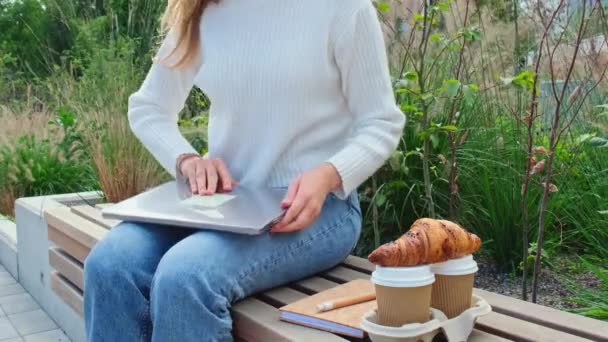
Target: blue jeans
{"x": 146, "y": 282}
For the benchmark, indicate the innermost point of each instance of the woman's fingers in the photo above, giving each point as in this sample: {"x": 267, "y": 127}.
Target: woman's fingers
{"x": 201, "y": 177}
{"x": 224, "y": 176}
{"x": 291, "y": 193}
{"x": 292, "y": 213}
{"x": 207, "y": 176}
{"x": 304, "y": 219}
{"x": 192, "y": 181}
{"x": 212, "y": 177}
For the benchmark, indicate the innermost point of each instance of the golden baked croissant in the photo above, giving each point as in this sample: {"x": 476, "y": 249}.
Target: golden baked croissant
{"x": 428, "y": 241}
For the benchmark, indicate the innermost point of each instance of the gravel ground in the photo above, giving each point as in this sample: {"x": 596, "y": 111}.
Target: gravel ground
{"x": 551, "y": 291}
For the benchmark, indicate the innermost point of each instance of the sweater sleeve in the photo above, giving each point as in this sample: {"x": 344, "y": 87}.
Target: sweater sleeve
{"x": 360, "y": 54}
{"x": 155, "y": 106}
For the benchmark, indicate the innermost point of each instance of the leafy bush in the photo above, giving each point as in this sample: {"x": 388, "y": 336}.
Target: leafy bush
{"x": 100, "y": 95}
{"x": 38, "y": 167}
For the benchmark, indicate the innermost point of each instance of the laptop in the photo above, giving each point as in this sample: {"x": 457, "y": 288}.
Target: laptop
{"x": 244, "y": 210}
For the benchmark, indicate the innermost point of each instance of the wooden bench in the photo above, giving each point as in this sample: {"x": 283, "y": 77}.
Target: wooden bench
{"x": 74, "y": 231}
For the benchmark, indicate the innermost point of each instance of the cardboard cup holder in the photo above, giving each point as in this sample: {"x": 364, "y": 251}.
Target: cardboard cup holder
{"x": 456, "y": 329}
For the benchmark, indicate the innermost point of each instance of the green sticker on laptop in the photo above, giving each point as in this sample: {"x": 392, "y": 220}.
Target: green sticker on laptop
{"x": 211, "y": 201}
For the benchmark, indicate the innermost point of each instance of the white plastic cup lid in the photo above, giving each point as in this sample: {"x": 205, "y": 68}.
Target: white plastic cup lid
{"x": 414, "y": 276}
{"x": 460, "y": 266}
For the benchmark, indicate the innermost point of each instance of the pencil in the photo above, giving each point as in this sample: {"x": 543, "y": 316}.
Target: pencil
{"x": 346, "y": 301}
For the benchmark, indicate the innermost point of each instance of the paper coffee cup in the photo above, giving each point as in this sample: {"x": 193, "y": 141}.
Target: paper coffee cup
{"x": 453, "y": 287}
{"x": 403, "y": 294}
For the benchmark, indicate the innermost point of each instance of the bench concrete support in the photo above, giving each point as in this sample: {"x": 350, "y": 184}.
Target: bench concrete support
{"x": 34, "y": 272}
{"x": 8, "y": 246}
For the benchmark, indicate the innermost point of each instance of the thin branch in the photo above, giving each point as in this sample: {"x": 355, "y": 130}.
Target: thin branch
{"x": 530, "y": 147}
{"x": 552, "y": 146}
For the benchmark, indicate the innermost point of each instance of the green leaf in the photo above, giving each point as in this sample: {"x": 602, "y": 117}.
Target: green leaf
{"x": 414, "y": 153}
{"x": 427, "y": 97}
{"x": 523, "y": 80}
{"x": 380, "y": 199}
{"x": 443, "y": 6}
{"x": 598, "y": 142}
{"x": 451, "y": 128}
{"x": 436, "y": 37}
{"x": 418, "y": 17}
{"x": 396, "y": 160}
{"x": 434, "y": 140}
{"x": 603, "y": 212}
{"x": 585, "y": 137}
{"x": 383, "y": 6}
{"x": 453, "y": 46}
{"x": 406, "y": 107}
{"x": 410, "y": 76}
{"x": 451, "y": 87}
{"x": 401, "y": 83}
{"x": 469, "y": 92}
{"x": 470, "y": 34}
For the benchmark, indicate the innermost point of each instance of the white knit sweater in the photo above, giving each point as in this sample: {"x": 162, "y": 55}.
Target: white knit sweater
{"x": 292, "y": 84}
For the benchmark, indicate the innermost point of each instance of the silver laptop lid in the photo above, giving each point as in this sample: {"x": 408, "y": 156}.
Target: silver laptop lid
{"x": 244, "y": 210}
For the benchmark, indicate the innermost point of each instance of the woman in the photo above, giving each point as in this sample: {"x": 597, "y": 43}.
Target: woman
{"x": 301, "y": 98}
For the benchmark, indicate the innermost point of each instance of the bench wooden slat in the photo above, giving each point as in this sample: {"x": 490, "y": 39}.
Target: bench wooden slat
{"x": 94, "y": 215}
{"x": 67, "y": 266}
{"x": 342, "y": 274}
{"x": 74, "y": 226}
{"x": 519, "y": 330}
{"x": 482, "y": 336}
{"x": 255, "y": 320}
{"x": 552, "y": 318}
{"x": 70, "y": 294}
{"x": 313, "y": 285}
{"x": 280, "y": 296}
{"x": 359, "y": 264}
{"x": 69, "y": 245}
{"x": 545, "y": 316}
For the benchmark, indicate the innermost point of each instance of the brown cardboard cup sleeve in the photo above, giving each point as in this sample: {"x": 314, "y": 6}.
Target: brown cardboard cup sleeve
{"x": 403, "y": 294}
{"x": 453, "y": 287}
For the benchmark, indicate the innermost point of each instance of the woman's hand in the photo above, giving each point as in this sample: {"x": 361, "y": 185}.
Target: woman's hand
{"x": 305, "y": 198}
{"x": 206, "y": 176}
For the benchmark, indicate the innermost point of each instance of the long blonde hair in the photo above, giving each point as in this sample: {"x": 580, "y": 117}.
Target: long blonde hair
{"x": 184, "y": 18}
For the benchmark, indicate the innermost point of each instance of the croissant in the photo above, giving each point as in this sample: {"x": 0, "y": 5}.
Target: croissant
{"x": 428, "y": 241}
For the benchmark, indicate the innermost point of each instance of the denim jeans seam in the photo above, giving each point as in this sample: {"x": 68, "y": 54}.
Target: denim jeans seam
{"x": 146, "y": 320}
{"x": 273, "y": 259}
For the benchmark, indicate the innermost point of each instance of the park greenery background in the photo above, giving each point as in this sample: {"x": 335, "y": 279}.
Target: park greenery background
{"x": 507, "y": 129}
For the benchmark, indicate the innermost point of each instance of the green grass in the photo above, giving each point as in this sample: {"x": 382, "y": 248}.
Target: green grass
{"x": 592, "y": 303}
